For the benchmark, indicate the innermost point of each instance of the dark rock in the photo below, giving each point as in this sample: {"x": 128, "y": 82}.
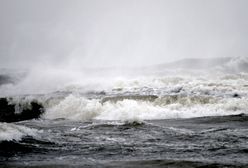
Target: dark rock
{"x": 236, "y": 95}
{"x": 8, "y": 113}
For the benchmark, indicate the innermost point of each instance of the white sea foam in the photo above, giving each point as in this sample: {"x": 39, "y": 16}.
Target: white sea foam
{"x": 79, "y": 108}
{"x": 9, "y": 132}
{"x": 76, "y": 108}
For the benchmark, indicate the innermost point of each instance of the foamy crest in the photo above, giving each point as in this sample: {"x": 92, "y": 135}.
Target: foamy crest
{"x": 74, "y": 107}
{"x": 79, "y": 108}
{"x": 9, "y": 132}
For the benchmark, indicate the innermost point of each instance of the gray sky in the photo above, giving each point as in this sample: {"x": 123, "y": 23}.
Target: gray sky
{"x": 93, "y": 33}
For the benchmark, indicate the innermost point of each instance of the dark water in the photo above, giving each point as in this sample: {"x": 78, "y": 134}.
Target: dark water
{"x": 198, "y": 142}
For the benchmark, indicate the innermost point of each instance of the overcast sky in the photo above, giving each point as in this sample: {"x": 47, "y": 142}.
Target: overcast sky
{"x": 98, "y": 33}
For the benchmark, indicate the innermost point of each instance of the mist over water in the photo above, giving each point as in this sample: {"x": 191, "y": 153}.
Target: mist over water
{"x": 112, "y": 33}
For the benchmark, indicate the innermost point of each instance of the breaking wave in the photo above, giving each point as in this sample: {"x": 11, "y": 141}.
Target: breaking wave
{"x": 10, "y": 132}
{"x": 74, "y": 107}
{"x": 236, "y": 65}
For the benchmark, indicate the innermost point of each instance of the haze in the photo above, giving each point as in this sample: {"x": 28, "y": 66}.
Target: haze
{"x": 103, "y": 33}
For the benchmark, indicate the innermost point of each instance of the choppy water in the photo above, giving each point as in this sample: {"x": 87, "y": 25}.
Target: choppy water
{"x": 140, "y": 121}
{"x": 194, "y": 142}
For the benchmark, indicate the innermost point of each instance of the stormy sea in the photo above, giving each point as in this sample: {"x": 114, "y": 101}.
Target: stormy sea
{"x": 189, "y": 113}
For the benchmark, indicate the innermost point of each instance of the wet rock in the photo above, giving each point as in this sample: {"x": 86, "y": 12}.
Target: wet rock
{"x": 8, "y": 111}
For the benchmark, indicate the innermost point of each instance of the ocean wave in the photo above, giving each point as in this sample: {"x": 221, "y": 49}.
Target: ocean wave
{"x": 10, "y": 132}
{"x": 76, "y": 107}
{"x": 236, "y": 65}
